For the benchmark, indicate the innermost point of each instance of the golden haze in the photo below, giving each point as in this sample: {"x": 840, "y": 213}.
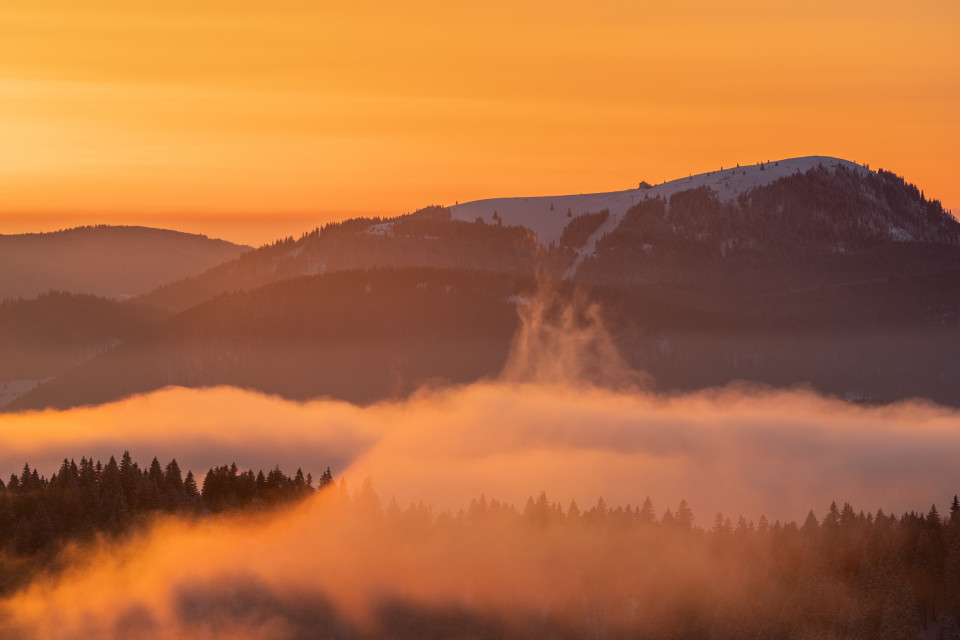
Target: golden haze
{"x": 731, "y": 450}
{"x": 154, "y": 113}
{"x": 252, "y": 576}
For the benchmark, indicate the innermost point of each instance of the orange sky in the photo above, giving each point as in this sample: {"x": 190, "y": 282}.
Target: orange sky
{"x": 249, "y": 119}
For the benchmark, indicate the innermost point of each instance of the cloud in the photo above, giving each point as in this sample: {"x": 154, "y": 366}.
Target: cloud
{"x": 778, "y": 453}
{"x": 566, "y": 418}
{"x": 317, "y": 566}
{"x": 201, "y": 428}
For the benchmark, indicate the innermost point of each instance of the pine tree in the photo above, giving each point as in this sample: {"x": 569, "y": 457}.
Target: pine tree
{"x": 325, "y": 479}
{"x": 573, "y": 511}
{"x": 684, "y": 515}
{"x": 172, "y": 476}
{"x": 190, "y": 485}
{"x": 647, "y": 515}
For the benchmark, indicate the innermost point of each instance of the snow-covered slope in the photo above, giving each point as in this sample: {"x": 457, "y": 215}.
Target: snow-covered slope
{"x": 547, "y": 215}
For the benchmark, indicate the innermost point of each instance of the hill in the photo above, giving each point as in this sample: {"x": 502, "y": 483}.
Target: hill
{"x": 109, "y": 261}
{"x": 47, "y": 336}
{"x": 364, "y": 336}
{"x": 548, "y": 216}
{"x": 809, "y": 271}
{"x": 783, "y": 221}
{"x": 356, "y": 335}
{"x": 428, "y": 238}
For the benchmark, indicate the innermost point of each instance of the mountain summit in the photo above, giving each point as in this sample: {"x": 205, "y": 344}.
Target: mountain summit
{"x": 806, "y": 271}
{"x": 548, "y": 216}
{"x": 800, "y": 210}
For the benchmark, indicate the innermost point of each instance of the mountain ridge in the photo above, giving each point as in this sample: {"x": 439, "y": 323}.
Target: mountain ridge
{"x": 732, "y": 223}
{"x": 545, "y": 214}
{"x": 837, "y": 276}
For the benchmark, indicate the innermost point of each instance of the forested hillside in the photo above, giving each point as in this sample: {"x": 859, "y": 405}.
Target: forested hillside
{"x": 45, "y": 337}
{"x": 363, "y": 336}
{"x": 358, "y": 335}
{"x": 38, "y": 515}
{"x": 428, "y": 238}
{"x": 819, "y": 228}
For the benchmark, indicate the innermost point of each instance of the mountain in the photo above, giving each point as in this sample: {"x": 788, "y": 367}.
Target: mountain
{"x": 815, "y": 204}
{"x": 547, "y": 216}
{"x": 49, "y": 335}
{"x": 780, "y": 234}
{"x": 808, "y": 271}
{"x": 785, "y": 220}
{"x": 110, "y": 261}
{"x": 428, "y": 238}
{"x": 369, "y": 335}
{"x": 356, "y": 335}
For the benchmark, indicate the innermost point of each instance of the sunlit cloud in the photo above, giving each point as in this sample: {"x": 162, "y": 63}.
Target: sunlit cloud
{"x": 199, "y": 427}
{"x": 778, "y": 453}
{"x": 555, "y": 422}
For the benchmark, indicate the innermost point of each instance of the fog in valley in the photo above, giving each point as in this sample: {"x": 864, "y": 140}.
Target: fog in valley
{"x": 420, "y": 515}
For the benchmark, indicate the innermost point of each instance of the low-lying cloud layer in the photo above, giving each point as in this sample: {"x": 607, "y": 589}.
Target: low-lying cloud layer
{"x": 201, "y": 428}
{"x": 742, "y": 451}
{"x": 777, "y": 453}
{"x": 313, "y": 568}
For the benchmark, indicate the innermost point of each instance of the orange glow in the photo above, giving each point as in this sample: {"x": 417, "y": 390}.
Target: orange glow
{"x": 151, "y": 113}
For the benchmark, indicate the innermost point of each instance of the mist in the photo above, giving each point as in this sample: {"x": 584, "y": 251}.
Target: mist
{"x": 341, "y": 570}
{"x": 401, "y": 540}
{"x": 201, "y": 428}
{"x": 741, "y": 450}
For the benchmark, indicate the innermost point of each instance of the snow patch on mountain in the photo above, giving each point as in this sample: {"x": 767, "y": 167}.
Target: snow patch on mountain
{"x": 548, "y": 215}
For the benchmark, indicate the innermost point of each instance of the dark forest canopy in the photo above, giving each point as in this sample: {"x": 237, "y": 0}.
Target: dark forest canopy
{"x": 85, "y": 498}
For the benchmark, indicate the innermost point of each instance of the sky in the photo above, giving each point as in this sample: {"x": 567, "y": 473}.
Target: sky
{"x": 251, "y": 120}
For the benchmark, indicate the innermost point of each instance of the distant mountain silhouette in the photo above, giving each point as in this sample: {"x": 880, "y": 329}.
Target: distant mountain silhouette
{"x": 110, "y": 261}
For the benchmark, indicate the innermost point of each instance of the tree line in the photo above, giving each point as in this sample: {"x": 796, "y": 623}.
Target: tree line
{"x": 85, "y": 498}
{"x": 847, "y": 574}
